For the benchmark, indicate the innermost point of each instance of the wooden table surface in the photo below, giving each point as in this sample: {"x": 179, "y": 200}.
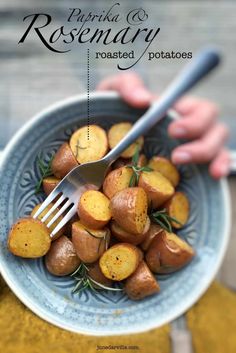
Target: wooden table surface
{"x": 33, "y": 77}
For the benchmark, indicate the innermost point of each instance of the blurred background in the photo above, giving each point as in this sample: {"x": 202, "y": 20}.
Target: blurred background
{"x": 33, "y": 77}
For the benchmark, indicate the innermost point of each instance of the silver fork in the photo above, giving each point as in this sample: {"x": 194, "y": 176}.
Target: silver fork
{"x": 80, "y": 178}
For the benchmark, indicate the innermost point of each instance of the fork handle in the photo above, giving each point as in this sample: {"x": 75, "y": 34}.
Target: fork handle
{"x": 200, "y": 66}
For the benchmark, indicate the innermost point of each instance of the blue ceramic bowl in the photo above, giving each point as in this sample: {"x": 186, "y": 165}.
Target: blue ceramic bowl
{"x": 106, "y": 313}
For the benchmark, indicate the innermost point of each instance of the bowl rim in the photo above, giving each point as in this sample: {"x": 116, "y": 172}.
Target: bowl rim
{"x": 223, "y": 184}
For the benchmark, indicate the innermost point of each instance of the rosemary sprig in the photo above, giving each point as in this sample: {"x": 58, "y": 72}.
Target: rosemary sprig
{"x": 45, "y": 171}
{"x": 104, "y": 237}
{"x": 84, "y": 281}
{"x": 164, "y": 220}
{"x": 136, "y": 169}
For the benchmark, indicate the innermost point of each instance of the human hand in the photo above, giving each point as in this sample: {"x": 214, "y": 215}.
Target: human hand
{"x": 199, "y": 124}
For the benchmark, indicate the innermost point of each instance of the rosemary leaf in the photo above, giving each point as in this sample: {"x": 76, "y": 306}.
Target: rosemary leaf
{"x": 77, "y": 286}
{"x": 146, "y": 169}
{"x": 83, "y": 280}
{"x": 45, "y": 171}
{"x": 105, "y": 287}
{"x": 135, "y": 157}
{"x": 77, "y": 270}
{"x": 132, "y": 180}
{"x": 173, "y": 219}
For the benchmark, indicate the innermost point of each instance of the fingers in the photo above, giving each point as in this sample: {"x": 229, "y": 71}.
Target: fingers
{"x": 220, "y": 166}
{"x": 131, "y": 88}
{"x": 204, "y": 149}
{"x": 197, "y": 117}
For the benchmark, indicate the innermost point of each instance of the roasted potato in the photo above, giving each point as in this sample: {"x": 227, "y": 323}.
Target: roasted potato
{"x": 116, "y": 134}
{"x": 117, "y": 180}
{"x": 64, "y": 161}
{"x": 158, "y": 188}
{"x": 178, "y": 208}
{"x": 29, "y": 238}
{"x": 166, "y": 168}
{"x": 153, "y": 230}
{"x": 96, "y": 274}
{"x": 141, "y": 283}
{"x": 89, "y": 145}
{"x": 119, "y": 261}
{"x": 61, "y": 259}
{"x": 127, "y": 237}
{"x": 49, "y": 184}
{"x": 129, "y": 209}
{"x": 168, "y": 253}
{"x": 89, "y": 244}
{"x": 94, "y": 210}
{"x": 53, "y": 226}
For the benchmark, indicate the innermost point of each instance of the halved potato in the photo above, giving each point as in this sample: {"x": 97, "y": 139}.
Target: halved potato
{"x": 158, "y": 188}
{"x": 53, "y": 226}
{"x": 96, "y": 274}
{"x": 117, "y": 180}
{"x": 116, "y": 134}
{"x": 168, "y": 253}
{"x": 128, "y": 237}
{"x": 49, "y": 184}
{"x": 64, "y": 161}
{"x": 178, "y": 208}
{"x": 61, "y": 259}
{"x": 129, "y": 209}
{"x": 154, "y": 230}
{"x": 93, "y": 209}
{"x": 89, "y": 243}
{"x": 89, "y": 144}
{"x": 166, "y": 168}
{"x": 29, "y": 238}
{"x": 119, "y": 261}
{"x": 141, "y": 283}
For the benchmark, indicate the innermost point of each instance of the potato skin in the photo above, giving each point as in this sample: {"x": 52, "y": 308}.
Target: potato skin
{"x": 156, "y": 196}
{"x": 96, "y": 274}
{"x": 64, "y": 161}
{"x": 120, "y": 261}
{"x": 116, "y": 181}
{"x": 123, "y": 209}
{"x": 29, "y": 238}
{"x": 88, "y": 248}
{"x": 124, "y": 236}
{"x": 178, "y": 207}
{"x": 166, "y": 168}
{"x": 141, "y": 283}
{"x": 49, "y": 184}
{"x": 61, "y": 259}
{"x": 153, "y": 231}
{"x": 168, "y": 253}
